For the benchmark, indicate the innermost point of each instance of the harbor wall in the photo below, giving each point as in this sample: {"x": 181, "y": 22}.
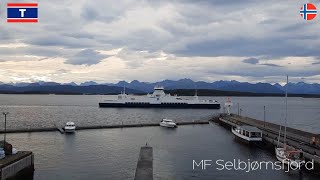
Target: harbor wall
{"x": 144, "y": 168}
{"x": 296, "y": 139}
{"x": 100, "y": 127}
{"x": 18, "y": 166}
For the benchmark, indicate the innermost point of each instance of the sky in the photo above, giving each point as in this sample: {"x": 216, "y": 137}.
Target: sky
{"x": 152, "y": 40}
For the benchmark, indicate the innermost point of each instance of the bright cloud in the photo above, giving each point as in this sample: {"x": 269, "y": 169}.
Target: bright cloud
{"x": 108, "y": 41}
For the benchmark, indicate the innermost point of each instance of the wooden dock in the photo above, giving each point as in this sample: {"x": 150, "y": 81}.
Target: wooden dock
{"x": 100, "y": 127}
{"x": 144, "y": 168}
{"x": 306, "y": 141}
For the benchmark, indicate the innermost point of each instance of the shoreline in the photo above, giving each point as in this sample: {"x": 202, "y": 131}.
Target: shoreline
{"x": 236, "y": 94}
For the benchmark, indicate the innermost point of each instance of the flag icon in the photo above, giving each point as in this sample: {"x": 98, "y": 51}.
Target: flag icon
{"x": 22, "y": 12}
{"x": 308, "y": 11}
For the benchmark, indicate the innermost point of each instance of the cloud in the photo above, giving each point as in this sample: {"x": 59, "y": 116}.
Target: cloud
{"x": 86, "y": 57}
{"x": 150, "y": 40}
{"x": 136, "y": 59}
{"x": 316, "y": 62}
{"x": 251, "y": 61}
{"x": 56, "y": 40}
{"x": 271, "y": 65}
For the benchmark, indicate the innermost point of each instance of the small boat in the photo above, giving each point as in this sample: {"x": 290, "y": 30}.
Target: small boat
{"x": 70, "y": 127}
{"x": 247, "y": 133}
{"x": 293, "y": 158}
{"x": 168, "y": 123}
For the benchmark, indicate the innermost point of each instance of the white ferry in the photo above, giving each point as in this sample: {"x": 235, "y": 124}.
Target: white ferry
{"x": 159, "y": 99}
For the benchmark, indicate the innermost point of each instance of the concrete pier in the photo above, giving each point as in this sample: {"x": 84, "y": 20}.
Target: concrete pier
{"x": 17, "y": 166}
{"x": 100, "y": 127}
{"x": 145, "y": 164}
{"x": 297, "y": 139}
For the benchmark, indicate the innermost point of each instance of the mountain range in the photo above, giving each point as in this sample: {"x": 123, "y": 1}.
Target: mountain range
{"x": 91, "y": 87}
{"x": 293, "y": 88}
{"x": 52, "y": 88}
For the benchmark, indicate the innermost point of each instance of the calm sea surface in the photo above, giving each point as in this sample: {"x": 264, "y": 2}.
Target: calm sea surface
{"x": 113, "y": 153}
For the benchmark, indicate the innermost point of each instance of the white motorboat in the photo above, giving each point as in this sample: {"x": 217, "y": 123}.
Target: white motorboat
{"x": 168, "y": 123}
{"x": 70, "y": 127}
{"x": 247, "y": 133}
{"x": 293, "y": 157}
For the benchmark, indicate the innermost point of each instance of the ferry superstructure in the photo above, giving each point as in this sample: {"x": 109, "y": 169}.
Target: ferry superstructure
{"x": 159, "y": 99}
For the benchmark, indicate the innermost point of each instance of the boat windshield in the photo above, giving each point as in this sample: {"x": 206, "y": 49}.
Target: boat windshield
{"x": 166, "y": 120}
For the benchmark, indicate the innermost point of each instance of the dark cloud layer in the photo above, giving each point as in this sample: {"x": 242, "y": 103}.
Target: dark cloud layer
{"x": 271, "y": 65}
{"x": 251, "y": 61}
{"x": 86, "y": 57}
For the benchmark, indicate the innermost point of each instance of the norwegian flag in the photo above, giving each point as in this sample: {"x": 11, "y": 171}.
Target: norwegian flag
{"x": 308, "y": 11}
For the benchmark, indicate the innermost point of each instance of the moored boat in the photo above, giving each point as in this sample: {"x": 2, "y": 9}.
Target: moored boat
{"x": 70, "y": 127}
{"x": 293, "y": 158}
{"x": 168, "y": 123}
{"x": 247, "y": 133}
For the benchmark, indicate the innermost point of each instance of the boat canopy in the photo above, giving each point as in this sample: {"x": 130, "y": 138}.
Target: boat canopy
{"x": 70, "y": 123}
{"x": 249, "y": 128}
{"x": 249, "y": 131}
{"x": 167, "y": 120}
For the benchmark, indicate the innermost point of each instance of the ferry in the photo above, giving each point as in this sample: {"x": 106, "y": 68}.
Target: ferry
{"x": 159, "y": 99}
{"x": 247, "y": 133}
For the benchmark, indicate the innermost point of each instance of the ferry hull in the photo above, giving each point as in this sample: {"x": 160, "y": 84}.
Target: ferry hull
{"x": 176, "y": 106}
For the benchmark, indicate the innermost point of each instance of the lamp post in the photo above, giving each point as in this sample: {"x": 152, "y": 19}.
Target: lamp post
{"x": 5, "y": 128}
{"x": 264, "y": 116}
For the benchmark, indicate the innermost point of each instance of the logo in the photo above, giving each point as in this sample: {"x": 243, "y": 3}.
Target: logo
{"x": 22, "y": 12}
{"x": 308, "y": 11}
